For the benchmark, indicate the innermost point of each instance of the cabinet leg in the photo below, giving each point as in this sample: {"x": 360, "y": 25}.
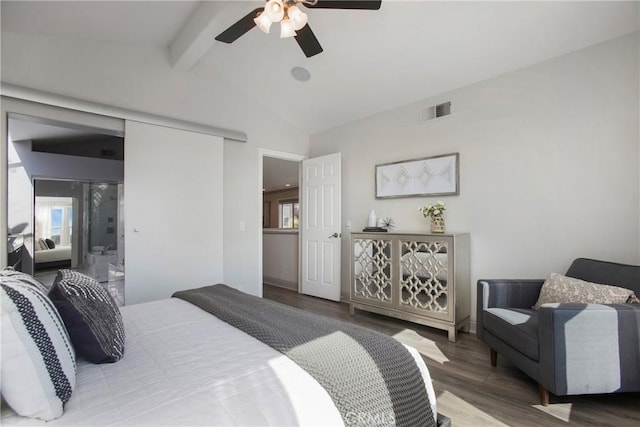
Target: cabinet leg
{"x": 352, "y": 310}
{"x": 494, "y": 357}
{"x": 452, "y": 334}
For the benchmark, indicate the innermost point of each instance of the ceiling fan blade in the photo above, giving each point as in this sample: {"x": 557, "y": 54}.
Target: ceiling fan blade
{"x": 346, "y": 4}
{"x": 308, "y": 41}
{"x": 238, "y": 29}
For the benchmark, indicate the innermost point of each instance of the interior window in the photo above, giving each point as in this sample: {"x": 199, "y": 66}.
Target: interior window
{"x": 54, "y": 219}
{"x": 289, "y": 214}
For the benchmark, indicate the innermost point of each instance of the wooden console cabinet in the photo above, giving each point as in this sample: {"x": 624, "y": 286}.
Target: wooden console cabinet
{"x": 422, "y": 278}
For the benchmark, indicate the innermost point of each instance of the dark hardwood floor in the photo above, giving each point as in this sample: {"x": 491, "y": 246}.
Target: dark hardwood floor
{"x": 468, "y": 389}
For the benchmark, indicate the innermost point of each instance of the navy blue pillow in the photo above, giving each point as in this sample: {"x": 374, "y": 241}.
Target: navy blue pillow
{"x": 50, "y": 243}
{"x": 91, "y": 316}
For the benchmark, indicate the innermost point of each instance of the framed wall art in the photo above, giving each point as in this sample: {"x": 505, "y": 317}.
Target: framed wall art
{"x": 428, "y": 176}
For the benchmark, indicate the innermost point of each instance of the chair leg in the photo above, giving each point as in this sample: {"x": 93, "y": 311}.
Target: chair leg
{"x": 494, "y": 357}
{"x": 544, "y": 395}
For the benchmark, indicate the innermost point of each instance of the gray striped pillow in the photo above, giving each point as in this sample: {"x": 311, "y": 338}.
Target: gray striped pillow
{"x": 91, "y": 316}
{"x": 38, "y": 362}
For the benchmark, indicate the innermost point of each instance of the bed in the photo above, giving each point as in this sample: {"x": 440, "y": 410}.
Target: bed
{"x": 185, "y": 366}
{"x": 59, "y": 256}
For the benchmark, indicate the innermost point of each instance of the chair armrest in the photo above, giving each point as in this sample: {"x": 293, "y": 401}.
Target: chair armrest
{"x": 509, "y": 293}
{"x": 589, "y": 348}
{"x": 505, "y": 293}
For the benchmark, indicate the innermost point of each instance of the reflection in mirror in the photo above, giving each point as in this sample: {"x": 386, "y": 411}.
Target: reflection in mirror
{"x": 372, "y": 269}
{"x": 424, "y": 277}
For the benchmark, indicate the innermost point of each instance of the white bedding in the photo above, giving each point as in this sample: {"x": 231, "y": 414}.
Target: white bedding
{"x": 59, "y": 253}
{"x": 183, "y": 366}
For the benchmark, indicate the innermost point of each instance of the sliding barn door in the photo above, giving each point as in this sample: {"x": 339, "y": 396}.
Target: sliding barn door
{"x": 173, "y": 211}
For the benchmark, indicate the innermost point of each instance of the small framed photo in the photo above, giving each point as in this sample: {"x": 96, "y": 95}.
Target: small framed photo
{"x": 428, "y": 176}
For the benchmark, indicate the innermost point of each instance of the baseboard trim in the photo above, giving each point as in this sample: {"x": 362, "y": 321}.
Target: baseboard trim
{"x": 286, "y": 284}
{"x": 344, "y": 297}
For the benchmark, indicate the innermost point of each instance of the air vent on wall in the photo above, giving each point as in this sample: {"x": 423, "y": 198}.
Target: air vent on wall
{"x": 443, "y": 109}
{"x": 436, "y": 111}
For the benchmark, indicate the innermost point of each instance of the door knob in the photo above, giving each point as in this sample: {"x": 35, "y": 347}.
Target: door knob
{"x": 334, "y": 235}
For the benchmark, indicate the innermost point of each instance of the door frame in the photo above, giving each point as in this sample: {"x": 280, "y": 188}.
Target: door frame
{"x": 262, "y": 153}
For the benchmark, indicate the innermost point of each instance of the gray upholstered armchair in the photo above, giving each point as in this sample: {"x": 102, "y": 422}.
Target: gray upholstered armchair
{"x": 568, "y": 348}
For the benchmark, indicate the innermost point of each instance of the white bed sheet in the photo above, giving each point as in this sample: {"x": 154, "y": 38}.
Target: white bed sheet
{"x": 183, "y": 366}
{"x": 59, "y": 253}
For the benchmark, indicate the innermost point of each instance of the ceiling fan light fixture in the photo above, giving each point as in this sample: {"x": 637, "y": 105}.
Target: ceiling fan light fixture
{"x": 274, "y": 9}
{"x": 286, "y": 29}
{"x": 263, "y": 22}
{"x": 297, "y": 17}
{"x": 296, "y": 22}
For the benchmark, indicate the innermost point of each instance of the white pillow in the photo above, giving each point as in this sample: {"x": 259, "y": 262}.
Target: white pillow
{"x": 38, "y": 362}
{"x": 41, "y": 245}
{"x": 562, "y": 289}
{"x": 24, "y": 278}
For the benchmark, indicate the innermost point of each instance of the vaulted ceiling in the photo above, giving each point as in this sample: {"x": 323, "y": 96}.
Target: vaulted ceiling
{"x": 372, "y": 61}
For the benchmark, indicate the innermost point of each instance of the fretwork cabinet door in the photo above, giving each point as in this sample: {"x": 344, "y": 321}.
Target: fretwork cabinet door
{"x": 425, "y": 284}
{"x": 372, "y": 271}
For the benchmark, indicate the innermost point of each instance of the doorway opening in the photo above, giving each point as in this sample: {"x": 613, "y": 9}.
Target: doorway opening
{"x": 54, "y": 232}
{"x": 280, "y": 195}
{"x": 64, "y": 197}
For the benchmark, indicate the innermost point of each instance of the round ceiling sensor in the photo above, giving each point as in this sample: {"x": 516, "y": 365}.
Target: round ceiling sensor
{"x": 300, "y": 74}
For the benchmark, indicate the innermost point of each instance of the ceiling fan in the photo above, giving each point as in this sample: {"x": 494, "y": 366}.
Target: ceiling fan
{"x": 293, "y": 22}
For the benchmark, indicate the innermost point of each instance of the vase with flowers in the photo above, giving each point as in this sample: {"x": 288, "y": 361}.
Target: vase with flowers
{"x": 436, "y": 212}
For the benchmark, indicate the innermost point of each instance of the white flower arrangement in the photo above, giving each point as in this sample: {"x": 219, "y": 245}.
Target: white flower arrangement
{"x": 436, "y": 210}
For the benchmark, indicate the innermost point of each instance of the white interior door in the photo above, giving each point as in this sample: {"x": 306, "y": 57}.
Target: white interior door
{"x": 173, "y": 211}
{"x": 320, "y": 240}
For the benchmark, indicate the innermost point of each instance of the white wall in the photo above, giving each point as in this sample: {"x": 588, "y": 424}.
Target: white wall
{"x": 549, "y": 163}
{"x": 140, "y": 78}
{"x": 280, "y": 258}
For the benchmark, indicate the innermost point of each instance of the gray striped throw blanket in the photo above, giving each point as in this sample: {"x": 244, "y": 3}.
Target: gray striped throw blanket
{"x": 372, "y": 378}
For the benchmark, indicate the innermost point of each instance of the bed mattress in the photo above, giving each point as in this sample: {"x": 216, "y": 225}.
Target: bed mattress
{"x": 183, "y": 366}
{"x": 59, "y": 253}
